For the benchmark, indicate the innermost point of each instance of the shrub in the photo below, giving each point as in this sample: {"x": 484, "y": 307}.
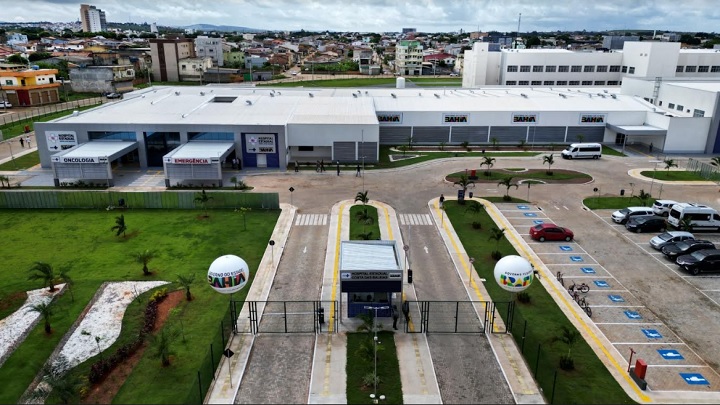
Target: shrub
{"x": 159, "y": 295}
{"x": 567, "y": 363}
{"x": 523, "y": 297}
{"x": 477, "y": 225}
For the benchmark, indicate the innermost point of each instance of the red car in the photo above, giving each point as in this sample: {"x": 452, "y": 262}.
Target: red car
{"x": 543, "y": 232}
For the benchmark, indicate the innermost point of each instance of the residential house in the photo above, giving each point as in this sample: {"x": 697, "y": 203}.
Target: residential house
{"x": 16, "y": 38}
{"x": 31, "y": 87}
{"x": 209, "y": 47}
{"x": 193, "y": 69}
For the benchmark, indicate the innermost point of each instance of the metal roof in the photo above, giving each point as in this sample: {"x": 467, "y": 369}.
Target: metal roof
{"x": 369, "y": 255}
{"x": 98, "y": 149}
{"x": 195, "y": 149}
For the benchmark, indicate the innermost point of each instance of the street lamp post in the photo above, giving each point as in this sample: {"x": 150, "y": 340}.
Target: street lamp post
{"x": 374, "y": 395}
{"x": 653, "y": 177}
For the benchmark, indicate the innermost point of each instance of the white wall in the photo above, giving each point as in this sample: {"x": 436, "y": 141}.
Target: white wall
{"x": 687, "y": 135}
{"x": 326, "y": 134}
{"x": 513, "y": 58}
{"x": 689, "y": 98}
{"x": 651, "y": 59}
{"x": 699, "y": 58}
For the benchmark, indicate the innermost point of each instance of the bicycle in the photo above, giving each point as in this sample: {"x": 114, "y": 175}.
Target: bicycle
{"x": 586, "y": 307}
{"x": 583, "y": 288}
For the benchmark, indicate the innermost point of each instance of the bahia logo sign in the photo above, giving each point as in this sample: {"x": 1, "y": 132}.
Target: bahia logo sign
{"x": 390, "y": 118}
{"x": 455, "y": 119}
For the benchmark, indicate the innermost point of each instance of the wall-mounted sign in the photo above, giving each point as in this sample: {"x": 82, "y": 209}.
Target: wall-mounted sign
{"x": 260, "y": 143}
{"x": 390, "y": 118}
{"x": 63, "y": 159}
{"x": 60, "y": 140}
{"x": 524, "y": 118}
{"x": 455, "y": 119}
{"x": 592, "y": 119}
{"x": 191, "y": 161}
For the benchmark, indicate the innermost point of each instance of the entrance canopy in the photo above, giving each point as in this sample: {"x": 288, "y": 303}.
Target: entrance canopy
{"x": 632, "y": 130}
{"x": 95, "y": 152}
{"x": 197, "y": 161}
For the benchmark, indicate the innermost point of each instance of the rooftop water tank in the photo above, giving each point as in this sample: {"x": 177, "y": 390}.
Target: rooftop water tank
{"x": 400, "y": 83}
{"x": 35, "y": 67}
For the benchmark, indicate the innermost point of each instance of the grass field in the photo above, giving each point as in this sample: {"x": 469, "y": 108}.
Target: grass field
{"x": 184, "y": 244}
{"x": 615, "y": 203}
{"x": 674, "y": 175}
{"x": 497, "y": 175}
{"x": 21, "y": 163}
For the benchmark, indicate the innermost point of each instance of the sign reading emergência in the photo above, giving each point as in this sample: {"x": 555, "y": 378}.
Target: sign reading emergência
{"x": 592, "y": 119}
{"x": 455, "y": 119}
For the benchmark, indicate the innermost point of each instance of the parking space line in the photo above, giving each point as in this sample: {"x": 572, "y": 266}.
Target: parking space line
{"x": 650, "y": 343}
{"x": 629, "y": 323}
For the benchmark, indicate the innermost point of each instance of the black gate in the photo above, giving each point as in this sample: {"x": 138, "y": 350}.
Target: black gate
{"x": 285, "y": 317}
{"x": 460, "y": 317}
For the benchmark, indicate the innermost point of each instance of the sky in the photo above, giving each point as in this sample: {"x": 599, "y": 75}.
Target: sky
{"x": 390, "y": 15}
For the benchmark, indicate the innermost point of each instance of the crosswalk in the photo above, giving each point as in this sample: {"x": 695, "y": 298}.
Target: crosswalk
{"x": 311, "y": 219}
{"x": 415, "y": 219}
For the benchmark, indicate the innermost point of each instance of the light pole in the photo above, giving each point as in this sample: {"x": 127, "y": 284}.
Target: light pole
{"x": 653, "y": 177}
{"x": 362, "y": 143}
{"x": 375, "y": 343}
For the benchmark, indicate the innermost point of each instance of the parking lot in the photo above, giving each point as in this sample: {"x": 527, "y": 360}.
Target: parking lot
{"x": 622, "y": 318}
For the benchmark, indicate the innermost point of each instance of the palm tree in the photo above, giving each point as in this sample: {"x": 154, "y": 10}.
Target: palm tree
{"x": 364, "y": 218}
{"x": 185, "y": 282}
{"x": 65, "y": 278}
{"x": 489, "y": 162}
{"x": 203, "y": 198}
{"x": 475, "y": 207}
{"x": 43, "y": 271}
{"x": 45, "y": 309}
{"x": 234, "y": 180}
{"x": 569, "y": 336}
{"x": 463, "y": 183}
{"x": 715, "y": 161}
{"x": 494, "y": 142}
{"x": 643, "y": 197}
{"x": 550, "y": 161}
{"x": 120, "y": 226}
{"x": 60, "y": 385}
{"x": 362, "y": 196}
{"x": 3, "y": 180}
{"x": 162, "y": 344}
{"x": 669, "y": 164}
{"x": 580, "y": 138}
{"x": 496, "y": 234}
{"x": 686, "y": 224}
{"x": 507, "y": 182}
{"x": 144, "y": 258}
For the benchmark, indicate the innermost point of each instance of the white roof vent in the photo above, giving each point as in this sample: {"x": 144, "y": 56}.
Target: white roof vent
{"x": 248, "y": 102}
{"x": 202, "y": 93}
{"x": 177, "y": 93}
{"x": 436, "y": 95}
{"x": 311, "y": 95}
{"x": 562, "y": 95}
{"x": 524, "y": 95}
{"x": 393, "y": 95}
{"x": 354, "y": 95}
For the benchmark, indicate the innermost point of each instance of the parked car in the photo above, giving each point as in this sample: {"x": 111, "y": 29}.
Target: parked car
{"x": 662, "y": 207}
{"x": 702, "y": 261}
{"x": 113, "y": 95}
{"x": 622, "y": 216}
{"x": 454, "y": 74}
{"x": 543, "y": 232}
{"x": 665, "y": 238}
{"x": 646, "y": 223}
{"x": 5, "y": 104}
{"x": 674, "y": 250}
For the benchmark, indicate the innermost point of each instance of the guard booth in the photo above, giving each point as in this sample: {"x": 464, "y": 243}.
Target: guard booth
{"x": 197, "y": 161}
{"x": 371, "y": 276}
{"x": 89, "y": 161}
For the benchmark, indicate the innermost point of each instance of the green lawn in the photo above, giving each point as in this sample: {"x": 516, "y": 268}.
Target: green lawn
{"x": 360, "y": 365}
{"x": 497, "y": 175}
{"x": 364, "y": 231}
{"x": 185, "y": 244}
{"x": 21, "y": 163}
{"x": 606, "y": 150}
{"x": 673, "y": 175}
{"x": 615, "y": 203}
{"x": 590, "y": 382}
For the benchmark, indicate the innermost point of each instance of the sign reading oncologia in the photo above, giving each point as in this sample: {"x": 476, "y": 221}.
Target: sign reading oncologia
{"x": 592, "y": 119}
{"x": 191, "y": 161}
{"x": 455, "y": 119}
{"x": 63, "y": 159}
{"x": 390, "y": 118}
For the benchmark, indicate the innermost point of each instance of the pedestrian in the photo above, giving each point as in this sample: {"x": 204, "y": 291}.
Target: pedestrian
{"x": 22, "y": 142}
{"x": 317, "y": 166}
{"x": 322, "y": 165}
{"x": 650, "y": 147}
{"x": 27, "y": 140}
{"x": 357, "y": 170}
{"x": 442, "y": 200}
{"x": 234, "y": 163}
{"x": 338, "y": 167}
{"x": 395, "y": 316}
{"x": 406, "y": 311}
{"x": 297, "y": 167}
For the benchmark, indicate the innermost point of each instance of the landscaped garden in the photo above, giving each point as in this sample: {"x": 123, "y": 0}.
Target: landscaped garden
{"x": 86, "y": 248}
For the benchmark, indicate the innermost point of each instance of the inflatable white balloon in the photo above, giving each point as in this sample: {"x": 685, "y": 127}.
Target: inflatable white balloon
{"x": 513, "y": 273}
{"x": 228, "y": 274}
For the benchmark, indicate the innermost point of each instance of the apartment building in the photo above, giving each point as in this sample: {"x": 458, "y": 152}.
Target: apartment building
{"x": 92, "y": 19}
{"x": 408, "y": 58}
{"x": 209, "y": 47}
{"x": 166, "y": 53}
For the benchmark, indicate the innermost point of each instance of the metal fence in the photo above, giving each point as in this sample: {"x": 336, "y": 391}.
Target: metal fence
{"x": 34, "y": 113}
{"x": 102, "y": 199}
{"x": 461, "y": 316}
{"x": 705, "y": 170}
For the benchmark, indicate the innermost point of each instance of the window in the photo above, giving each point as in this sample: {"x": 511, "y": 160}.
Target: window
{"x": 562, "y": 82}
{"x": 512, "y": 68}
{"x": 615, "y": 68}
{"x": 576, "y": 68}
{"x": 703, "y": 69}
{"x": 536, "y": 82}
{"x": 588, "y": 69}
{"x": 612, "y": 83}
{"x": 548, "y": 83}
{"x": 523, "y": 83}
{"x": 671, "y": 105}
{"x": 211, "y": 136}
{"x": 9, "y": 82}
{"x": 510, "y": 83}
{"x": 122, "y": 136}
{"x": 599, "y": 82}
{"x": 563, "y": 69}
{"x": 537, "y": 69}
{"x": 587, "y": 83}
{"x": 679, "y": 69}
{"x": 714, "y": 69}
{"x": 601, "y": 69}
{"x": 550, "y": 69}
{"x": 632, "y": 70}
{"x": 698, "y": 113}
{"x": 525, "y": 68}
{"x": 690, "y": 69}
{"x": 679, "y": 107}
{"x": 624, "y": 69}
{"x": 660, "y": 103}
{"x": 574, "y": 82}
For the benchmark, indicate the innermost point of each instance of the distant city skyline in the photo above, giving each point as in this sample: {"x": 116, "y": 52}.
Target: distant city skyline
{"x": 387, "y": 15}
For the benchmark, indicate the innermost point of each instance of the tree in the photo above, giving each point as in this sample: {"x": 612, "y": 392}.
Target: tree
{"x": 58, "y": 384}
{"x": 362, "y": 196}
{"x": 686, "y": 224}
{"x": 464, "y": 182}
{"x": 185, "y": 282}
{"x": 475, "y": 207}
{"x": 715, "y": 161}
{"x": 162, "y": 345}
{"x": 234, "y": 180}
{"x": 489, "y": 162}
{"x": 203, "y": 198}
{"x": 244, "y": 211}
{"x": 4, "y": 181}
{"x": 494, "y": 142}
{"x": 65, "y": 278}
{"x": 45, "y": 309}
{"x": 507, "y": 182}
{"x": 570, "y": 337}
{"x": 643, "y": 197}
{"x": 550, "y": 161}
{"x": 120, "y": 226}
{"x": 144, "y": 258}
{"x": 580, "y": 138}
{"x": 43, "y": 271}
{"x": 496, "y": 234}
{"x": 17, "y": 59}
{"x": 669, "y": 164}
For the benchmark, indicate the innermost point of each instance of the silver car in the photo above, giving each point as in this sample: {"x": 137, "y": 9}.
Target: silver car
{"x": 663, "y": 239}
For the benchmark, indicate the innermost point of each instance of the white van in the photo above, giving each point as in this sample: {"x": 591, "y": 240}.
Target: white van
{"x": 701, "y": 216}
{"x": 582, "y": 150}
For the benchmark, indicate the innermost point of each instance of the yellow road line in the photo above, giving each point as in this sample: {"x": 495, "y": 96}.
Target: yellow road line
{"x": 336, "y": 263}
{"x": 576, "y": 315}
{"x": 387, "y": 223}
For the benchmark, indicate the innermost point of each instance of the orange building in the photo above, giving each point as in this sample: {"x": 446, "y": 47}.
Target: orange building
{"x": 30, "y": 87}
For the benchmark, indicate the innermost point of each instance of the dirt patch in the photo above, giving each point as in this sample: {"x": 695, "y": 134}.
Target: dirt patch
{"x": 104, "y": 392}
{"x": 14, "y": 300}
{"x": 527, "y": 175}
